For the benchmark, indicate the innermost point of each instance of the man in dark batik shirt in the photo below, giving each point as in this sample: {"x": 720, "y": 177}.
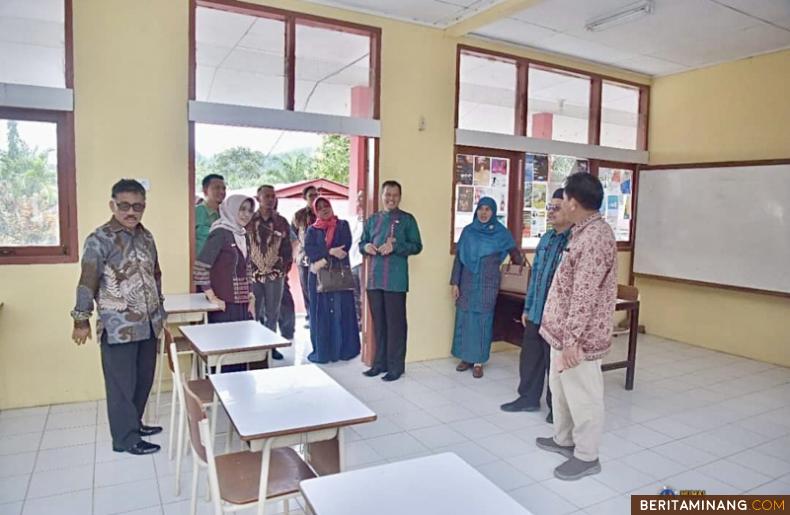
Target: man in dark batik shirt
{"x": 121, "y": 275}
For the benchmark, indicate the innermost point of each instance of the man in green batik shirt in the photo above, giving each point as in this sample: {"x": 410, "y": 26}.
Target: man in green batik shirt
{"x": 207, "y": 212}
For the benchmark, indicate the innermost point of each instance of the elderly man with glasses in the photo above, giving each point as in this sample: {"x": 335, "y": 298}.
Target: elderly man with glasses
{"x": 121, "y": 275}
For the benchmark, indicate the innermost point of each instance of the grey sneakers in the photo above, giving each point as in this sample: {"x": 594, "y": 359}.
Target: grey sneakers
{"x": 572, "y": 469}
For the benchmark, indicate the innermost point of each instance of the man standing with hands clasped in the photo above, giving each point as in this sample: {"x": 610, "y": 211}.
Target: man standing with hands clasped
{"x": 120, "y": 273}
{"x": 388, "y": 239}
{"x": 577, "y": 323}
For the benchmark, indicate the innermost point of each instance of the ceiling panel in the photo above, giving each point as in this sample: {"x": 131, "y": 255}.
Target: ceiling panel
{"x": 516, "y": 31}
{"x": 423, "y": 11}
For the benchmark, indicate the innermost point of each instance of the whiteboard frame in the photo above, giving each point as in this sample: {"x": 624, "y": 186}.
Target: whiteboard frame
{"x": 676, "y": 166}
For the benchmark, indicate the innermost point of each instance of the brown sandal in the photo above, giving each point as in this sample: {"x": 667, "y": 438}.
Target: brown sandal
{"x": 477, "y": 373}
{"x": 463, "y": 366}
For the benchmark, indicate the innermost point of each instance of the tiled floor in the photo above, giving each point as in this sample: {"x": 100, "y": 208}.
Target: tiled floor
{"x": 696, "y": 420}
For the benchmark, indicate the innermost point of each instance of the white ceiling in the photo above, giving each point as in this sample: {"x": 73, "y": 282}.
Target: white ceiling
{"x": 680, "y": 35}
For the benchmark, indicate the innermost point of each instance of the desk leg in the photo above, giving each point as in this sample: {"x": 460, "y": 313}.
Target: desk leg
{"x": 632, "y": 338}
{"x": 266, "y": 452}
{"x": 327, "y": 456}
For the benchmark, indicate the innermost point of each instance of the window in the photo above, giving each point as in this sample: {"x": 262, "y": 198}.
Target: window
{"x": 487, "y": 94}
{"x": 558, "y": 105}
{"x": 333, "y": 72}
{"x": 240, "y": 59}
{"x": 619, "y": 115}
{"x": 617, "y": 208}
{"x": 542, "y": 176}
{"x": 37, "y": 183}
{"x": 262, "y": 57}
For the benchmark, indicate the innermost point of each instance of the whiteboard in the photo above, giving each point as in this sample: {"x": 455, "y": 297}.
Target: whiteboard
{"x": 721, "y": 225}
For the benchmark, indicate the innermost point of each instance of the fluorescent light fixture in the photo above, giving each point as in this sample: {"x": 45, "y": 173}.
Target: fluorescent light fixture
{"x": 629, "y": 13}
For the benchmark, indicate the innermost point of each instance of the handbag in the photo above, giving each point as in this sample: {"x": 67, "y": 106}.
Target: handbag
{"x": 515, "y": 278}
{"x": 335, "y": 278}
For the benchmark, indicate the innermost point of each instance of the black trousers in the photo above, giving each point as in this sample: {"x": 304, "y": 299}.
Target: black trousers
{"x": 128, "y": 376}
{"x": 534, "y": 367}
{"x": 388, "y": 310}
{"x": 287, "y": 320}
{"x": 304, "y": 274}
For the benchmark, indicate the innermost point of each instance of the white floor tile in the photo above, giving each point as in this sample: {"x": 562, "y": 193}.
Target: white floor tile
{"x": 65, "y": 457}
{"x": 155, "y": 510}
{"x": 420, "y": 419}
{"x": 13, "y": 488}
{"x": 22, "y": 425}
{"x": 505, "y": 445}
{"x": 584, "y": 492}
{"x": 383, "y": 425}
{"x": 733, "y": 474}
{"x": 54, "y": 482}
{"x": 540, "y": 500}
{"x": 14, "y": 508}
{"x": 539, "y": 465}
{"x": 396, "y": 446}
{"x": 777, "y": 487}
{"x": 19, "y": 443}
{"x": 477, "y": 428}
{"x": 73, "y": 503}
{"x": 779, "y": 448}
{"x": 653, "y": 464}
{"x": 642, "y": 436}
{"x": 685, "y": 454}
{"x": 761, "y": 463}
{"x": 504, "y": 475}
{"x": 119, "y": 472}
{"x": 621, "y": 477}
{"x": 71, "y": 419}
{"x": 68, "y": 437}
{"x": 615, "y": 506}
{"x": 360, "y": 453}
{"x": 438, "y": 436}
{"x": 451, "y": 413}
{"x": 470, "y": 452}
{"x": 23, "y": 412}
{"x": 126, "y": 497}
{"x": 74, "y": 406}
{"x": 17, "y": 464}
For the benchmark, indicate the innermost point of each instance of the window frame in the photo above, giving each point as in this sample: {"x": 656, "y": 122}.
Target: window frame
{"x": 67, "y": 251}
{"x": 522, "y": 92}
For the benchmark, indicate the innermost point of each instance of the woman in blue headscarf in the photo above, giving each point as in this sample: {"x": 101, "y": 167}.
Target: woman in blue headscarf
{"x": 475, "y": 280}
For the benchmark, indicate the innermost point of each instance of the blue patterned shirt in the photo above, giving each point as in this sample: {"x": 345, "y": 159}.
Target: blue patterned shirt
{"x": 547, "y": 257}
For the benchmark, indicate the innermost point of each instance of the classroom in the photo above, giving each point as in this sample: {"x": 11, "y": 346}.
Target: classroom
{"x": 411, "y": 181}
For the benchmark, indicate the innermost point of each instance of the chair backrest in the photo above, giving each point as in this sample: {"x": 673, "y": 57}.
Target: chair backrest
{"x": 195, "y": 414}
{"x": 626, "y": 292}
{"x": 172, "y": 355}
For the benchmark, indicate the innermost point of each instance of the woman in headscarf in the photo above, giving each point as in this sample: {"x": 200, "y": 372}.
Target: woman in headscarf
{"x": 334, "y": 331}
{"x": 475, "y": 281}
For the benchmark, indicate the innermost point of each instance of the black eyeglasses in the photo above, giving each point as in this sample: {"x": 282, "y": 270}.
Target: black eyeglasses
{"x": 138, "y": 207}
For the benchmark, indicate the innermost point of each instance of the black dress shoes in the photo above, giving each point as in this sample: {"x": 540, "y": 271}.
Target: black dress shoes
{"x": 149, "y": 430}
{"x": 277, "y": 354}
{"x": 373, "y": 372}
{"x": 389, "y": 376}
{"x": 141, "y": 448}
{"x": 518, "y": 405}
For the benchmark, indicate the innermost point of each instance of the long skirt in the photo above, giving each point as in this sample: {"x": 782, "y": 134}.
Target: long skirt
{"x": 472, "y": 337}
{"x": 334, "y": 331}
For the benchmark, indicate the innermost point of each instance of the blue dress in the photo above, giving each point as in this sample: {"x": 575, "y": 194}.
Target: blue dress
{"x": 474, "y": 310}
{"x": 334, "y": 331}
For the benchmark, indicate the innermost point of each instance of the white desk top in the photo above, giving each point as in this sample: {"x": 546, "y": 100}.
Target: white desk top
{"x": 188, "y": 303}
{"x": 287, "y": 400}
{"x": 230, "y": 337}
{"x": 442, "y": 484}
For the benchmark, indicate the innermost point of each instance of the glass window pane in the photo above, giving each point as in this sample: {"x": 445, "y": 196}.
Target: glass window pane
{"x": 240, "y": 59}
{"x": 29, "y": 213}
{"x": 487, "y": 95}
{"x": 333, "y": 74}
{"x": 542, "y": 176}
{"x": 476, "y": 177}
{"x": 32, "y": 42}
{"x": 558, "y": 106}
{"x": 619, "y": 115}
{"x": 617, "y": 204}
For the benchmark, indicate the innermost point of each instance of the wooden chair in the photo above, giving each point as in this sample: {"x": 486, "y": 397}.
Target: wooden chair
{"x": 625, "y": 292}
{"x": 183, "y": 348}
{"x": 235, "y": 481}
{"x": 201, "y": 387}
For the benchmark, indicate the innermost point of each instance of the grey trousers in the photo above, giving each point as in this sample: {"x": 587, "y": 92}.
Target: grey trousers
{"x": 128, "y": 376}
{"x": 268, "y": 298}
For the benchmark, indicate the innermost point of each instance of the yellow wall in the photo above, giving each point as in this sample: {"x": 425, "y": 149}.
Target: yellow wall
{"x": 131, "y": 121}
{"x": 734, "y": 111}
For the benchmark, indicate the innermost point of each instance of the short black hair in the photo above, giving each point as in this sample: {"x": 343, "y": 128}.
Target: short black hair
{"x": 391, "y": 184}
{"x": 558, "y": 193}
{"x": 307, "y": 190}
{"x": 210, "y": 177}
{"x": 586, "y": 189}
{"x": 127, "y": 186}
{"x": 263, "y": 187}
